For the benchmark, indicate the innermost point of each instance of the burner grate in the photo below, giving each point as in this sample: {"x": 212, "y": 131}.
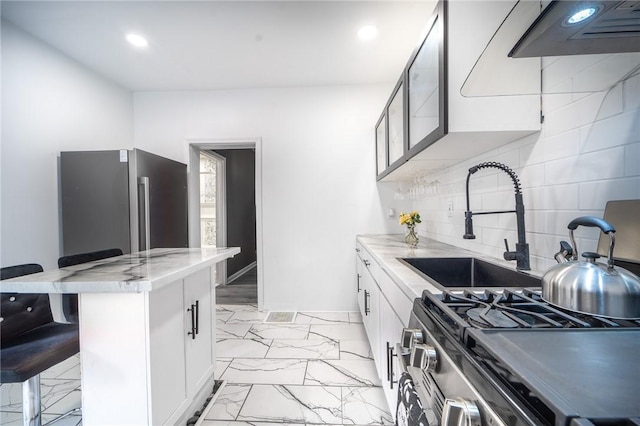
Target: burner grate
{"x": 510, "y": 308}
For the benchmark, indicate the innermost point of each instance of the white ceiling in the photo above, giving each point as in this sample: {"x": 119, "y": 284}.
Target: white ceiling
{"x": 201, "y": 45}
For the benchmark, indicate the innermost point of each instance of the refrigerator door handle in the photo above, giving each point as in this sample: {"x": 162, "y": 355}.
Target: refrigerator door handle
{"x": 145, "y": 230}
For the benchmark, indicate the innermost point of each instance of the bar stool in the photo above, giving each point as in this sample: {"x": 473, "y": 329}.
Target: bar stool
{"x": 30, "y": 342}
{"x": 76, "y": 259}
{"x": 69, "y": 302}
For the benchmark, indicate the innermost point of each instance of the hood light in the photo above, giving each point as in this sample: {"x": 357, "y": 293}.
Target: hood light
{"x": 367, "y": 33}
{"x": 137, "y": 40}
{"x": 582, "y": 15}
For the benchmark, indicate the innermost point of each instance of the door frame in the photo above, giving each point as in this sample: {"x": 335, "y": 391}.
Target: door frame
{"x": 194, "y": 146}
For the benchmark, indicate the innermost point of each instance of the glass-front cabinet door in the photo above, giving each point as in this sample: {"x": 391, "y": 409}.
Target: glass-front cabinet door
{"x": 395, "y": 113}
{"x": 416, "y": 113}
{"x": 426, "y": 89}
{"x": 381, "y": 144}
{"x": 424, "y": 107}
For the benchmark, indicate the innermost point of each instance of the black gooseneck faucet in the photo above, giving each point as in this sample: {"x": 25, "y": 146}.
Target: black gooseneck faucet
{"x": 521, "y": 255}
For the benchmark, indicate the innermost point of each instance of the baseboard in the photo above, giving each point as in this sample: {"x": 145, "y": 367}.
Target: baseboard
{"x": 241, "y": 272}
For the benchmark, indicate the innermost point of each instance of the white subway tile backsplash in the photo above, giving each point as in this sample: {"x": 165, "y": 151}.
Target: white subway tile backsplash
{"x": 574, "y": 115}
{"x": 612, "y": 104}
{"x": 483, "y": 180}
{"x": 631, "y": 93}
{"x": 555, "y": 147}
{"x": 495, "y": 238}
{"x": 535, "y": 220}
{"x": 510, "y": 157}
{"x": 556, "y": 101}
{"x": 485, "y": 221}
{"x": 615, "y": 131}
{"x": 556, "y": 222}
{"x": 587, "y": 167}
{"x": 587, "y": 153}
{"x": 558, "y": 197}
{"x": 503, "y": 200}
{"x": 632, "y": 160}
{"x": 560, "y": 72}
{"x": 594, "y": 195}
{"x": 543, "y": 245}
{"x": 507, "y": 221}
{"x": 532, "y": 176}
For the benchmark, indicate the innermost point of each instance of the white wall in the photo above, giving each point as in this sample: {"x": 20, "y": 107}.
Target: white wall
{"x": 318, "y": 176}
{"x": 587, "y": 153}
{"x": 49, "y": 104}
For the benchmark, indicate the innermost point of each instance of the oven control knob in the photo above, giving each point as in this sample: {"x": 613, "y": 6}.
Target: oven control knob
{"x": 411, "y": 337}
{"x": 460, "y": 412}
{"x": 424, "y": 357}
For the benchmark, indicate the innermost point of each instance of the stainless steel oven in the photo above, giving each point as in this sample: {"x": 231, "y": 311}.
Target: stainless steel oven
{"x": 493, "y": 357}
{"x": 446, "y": 396}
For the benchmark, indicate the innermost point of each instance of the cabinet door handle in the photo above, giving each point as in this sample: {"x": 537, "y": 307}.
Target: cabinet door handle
{"x": 388, "y": 363}
{"x": 197, "y": 317}
{"x": 366, "y": 302}
{"x": 359, "y": 289}
{"x": 390, "y": 355}
{"x": 193, "y": 332}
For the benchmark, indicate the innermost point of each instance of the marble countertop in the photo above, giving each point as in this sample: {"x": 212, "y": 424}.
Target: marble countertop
{"x": 129, "y": 273}
{"x": 385, "y": 250}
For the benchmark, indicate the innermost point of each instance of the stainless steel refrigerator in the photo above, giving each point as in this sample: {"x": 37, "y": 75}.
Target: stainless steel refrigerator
{"x": 126, "y": 199}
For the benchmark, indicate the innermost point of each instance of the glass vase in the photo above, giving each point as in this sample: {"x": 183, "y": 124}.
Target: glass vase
{"x": 411, "y": 238}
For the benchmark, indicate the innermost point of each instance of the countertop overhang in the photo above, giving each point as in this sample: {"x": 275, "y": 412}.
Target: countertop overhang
{"x": 130, "y": 273}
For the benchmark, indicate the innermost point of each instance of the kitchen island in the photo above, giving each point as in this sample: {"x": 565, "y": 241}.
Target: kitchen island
{"x": 147, "y": 332}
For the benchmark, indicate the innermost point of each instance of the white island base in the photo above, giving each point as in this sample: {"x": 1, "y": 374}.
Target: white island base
{"x": 147, "y": 333}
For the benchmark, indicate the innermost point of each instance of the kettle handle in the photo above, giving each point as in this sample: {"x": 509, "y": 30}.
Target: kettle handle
{"x": 593, "y": 221}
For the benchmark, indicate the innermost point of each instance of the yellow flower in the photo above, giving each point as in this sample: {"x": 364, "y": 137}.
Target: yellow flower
{"x": 410, "y": 219}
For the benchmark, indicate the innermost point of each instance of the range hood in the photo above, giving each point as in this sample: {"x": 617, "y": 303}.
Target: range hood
{"x": 592, "y": 55}
{"x": 582, "y": 27}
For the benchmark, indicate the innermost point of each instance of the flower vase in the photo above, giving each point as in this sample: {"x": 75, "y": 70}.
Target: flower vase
{"x": 411, "y": 238}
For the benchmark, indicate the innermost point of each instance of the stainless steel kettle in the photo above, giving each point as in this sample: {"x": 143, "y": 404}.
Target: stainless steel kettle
{"x": 589, "y": 286}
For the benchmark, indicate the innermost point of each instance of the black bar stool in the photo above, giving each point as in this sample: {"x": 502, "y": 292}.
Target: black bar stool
{"x": 70, "y": 301}
{"x": 30, "y": 342}
{"x": 76, "y": 259}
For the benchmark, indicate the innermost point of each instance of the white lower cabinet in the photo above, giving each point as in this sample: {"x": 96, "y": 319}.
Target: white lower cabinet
{"x": 167, "y": 350}
{"x": 181, "y": 344}
{"x": 383, "y": 307}
{"x": 371, "y": 311}
{"x": 390, "y": 331}
{"x": 198, "y": 309}
{"x": 360, "y": 267}
{"x": 139, "y": 363}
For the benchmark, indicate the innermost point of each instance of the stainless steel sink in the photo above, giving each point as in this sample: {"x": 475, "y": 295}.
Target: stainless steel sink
{"x": 468, "y": 272}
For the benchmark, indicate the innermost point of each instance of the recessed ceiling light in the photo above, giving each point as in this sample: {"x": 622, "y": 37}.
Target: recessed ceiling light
{"x": 137, "y": 40}
{"x": 582, "y": 14}
{"x": 368, "y": 32}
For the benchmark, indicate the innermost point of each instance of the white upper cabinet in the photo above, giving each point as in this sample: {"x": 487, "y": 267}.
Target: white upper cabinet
{"x": 441, "y": 126}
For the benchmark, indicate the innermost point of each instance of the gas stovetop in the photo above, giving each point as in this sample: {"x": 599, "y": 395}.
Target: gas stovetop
{"x": 508, "y": 308}
{"x": 560, "y": 364}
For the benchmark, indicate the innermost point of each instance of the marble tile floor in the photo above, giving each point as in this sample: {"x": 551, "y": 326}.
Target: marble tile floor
{"x": 317, "y": 370}
{"x": 60, "y": 392}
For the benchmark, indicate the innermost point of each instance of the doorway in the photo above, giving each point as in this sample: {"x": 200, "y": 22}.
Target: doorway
{"x": 225, "y": 201}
